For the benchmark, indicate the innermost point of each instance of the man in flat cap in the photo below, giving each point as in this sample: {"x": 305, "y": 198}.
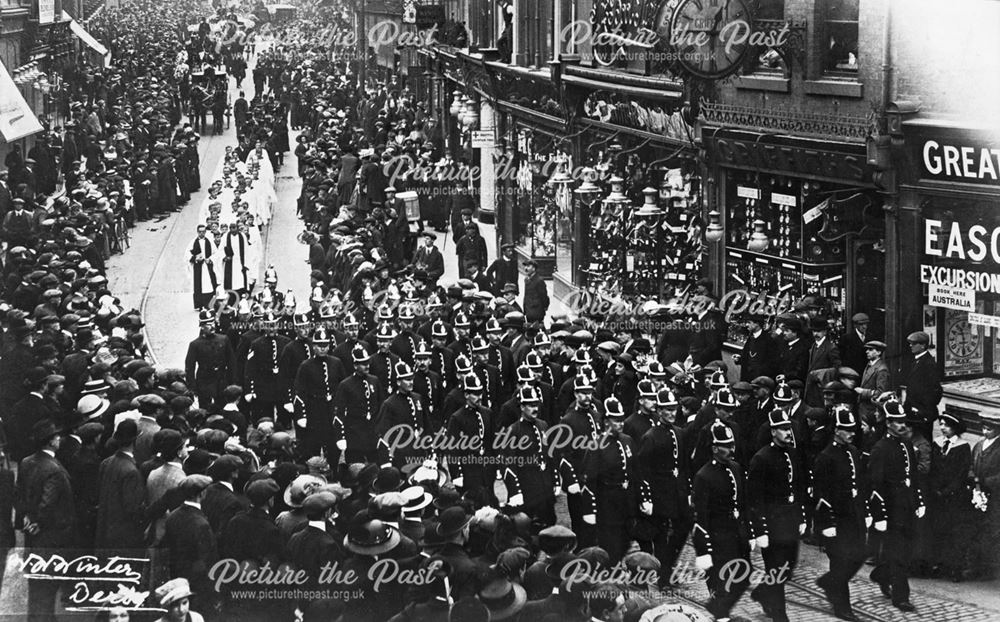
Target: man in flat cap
{"x": 874, "y": 380}
{"x": 190, "y": 540}
{"x": 852, "y": 344}
{"x": 221, "y": 502}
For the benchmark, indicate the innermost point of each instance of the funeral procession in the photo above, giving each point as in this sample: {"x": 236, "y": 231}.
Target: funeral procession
{"x": 499, "y": 310}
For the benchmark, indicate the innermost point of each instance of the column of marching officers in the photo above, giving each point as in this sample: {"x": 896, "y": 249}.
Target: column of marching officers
{"x": 547, "y": 418}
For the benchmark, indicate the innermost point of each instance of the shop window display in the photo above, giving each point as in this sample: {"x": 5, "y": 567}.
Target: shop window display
{"x": 787, "y": 237}
{"x": 961, "y": 252}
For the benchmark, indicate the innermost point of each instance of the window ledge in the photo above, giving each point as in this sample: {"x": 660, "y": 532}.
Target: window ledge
{"x": 835, "y": 88}
{"x": 757, "y": 82}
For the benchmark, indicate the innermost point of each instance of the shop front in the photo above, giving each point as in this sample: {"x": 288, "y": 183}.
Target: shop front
{"x": 791, "y": 218}
{"x": 955, "y": 187}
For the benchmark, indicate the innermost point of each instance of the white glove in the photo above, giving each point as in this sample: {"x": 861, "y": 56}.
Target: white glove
{"x": 868, "y": 522}
{"x": 289, "y": 407}
{"x": 342, "y": 445}
{"x": 573, "y": 489}
{"x": 458, "y": 481}
{"x": 829, "y": 532}
{"x": 516, "y": 501}
{"x": 802, "y": 529}
{"x": 646, "y": 507}
{"x": 921, "y": 511}
{"x": 881, "y": 525}
{"x": 763, "y": 541}
{"x": 703, "y": 562}
{"x": 590, "y": 519}
{"x": 556, "y": 491}
{"x": 249, "y": 397}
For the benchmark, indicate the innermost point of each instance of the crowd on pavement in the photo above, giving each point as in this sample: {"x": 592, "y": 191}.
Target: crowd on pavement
{"x": 420, "y": 436}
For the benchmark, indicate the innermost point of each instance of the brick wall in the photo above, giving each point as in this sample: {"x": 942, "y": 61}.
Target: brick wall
{"x": 807, "y": 71}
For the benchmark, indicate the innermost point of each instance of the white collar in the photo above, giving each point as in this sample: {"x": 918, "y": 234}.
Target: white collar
{"x": 128, "y": 453}
{"x": 228, "y": 485}
{"x": 955, "y": 441}
{"x": 793, "y": 342}
{"x": 231, "y": 407}
{"x": 758, "y": 333}
{"x": 919, "y": 355}
{"x": 318, "y": 524}
{"x": 50, "y": 452}
{"x": 175, "y": 464}
{"x": 193, "y": 504}
{"x": 819, "y": 343}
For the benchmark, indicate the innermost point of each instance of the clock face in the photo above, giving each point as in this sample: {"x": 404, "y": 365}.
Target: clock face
{"x": 963, "y": 341}
{"x": 710, "y": 37}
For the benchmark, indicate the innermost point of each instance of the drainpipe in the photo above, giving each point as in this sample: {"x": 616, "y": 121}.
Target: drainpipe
{"x": 557, "y": 26}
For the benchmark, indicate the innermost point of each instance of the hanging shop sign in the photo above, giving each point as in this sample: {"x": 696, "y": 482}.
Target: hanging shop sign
{"x": 962, "y": 156}
{"x": 789, "y": 159}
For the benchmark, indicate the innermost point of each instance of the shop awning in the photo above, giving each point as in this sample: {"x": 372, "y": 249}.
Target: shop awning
{"x": 85, "y": 36}
{"x": 16, "y": 118}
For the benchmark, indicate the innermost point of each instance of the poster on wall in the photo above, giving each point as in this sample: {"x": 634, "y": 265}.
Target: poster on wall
{"x": 46, "y": 11}
{"x": 963, "y": 344}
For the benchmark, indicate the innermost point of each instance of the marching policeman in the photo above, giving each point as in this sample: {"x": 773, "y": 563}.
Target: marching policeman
{"x": 383, "y": 362}
{"x": 210, "y": 362}
{"x": 315, "y": 385}
{"x": 584, "y": 424}
{"x": 645, "y": 417}
{"x": 355, "y": 405}
{"x": 344, "y": 350}
{"x": 403, "y": 408}
{"x": 470, "y": 431}
{"x": 267, "y": 389}
{"x": 613, "y": 475}
{"x": 529, "y": 477}
{"x": 489, "y": 374}
{"x": 893, "y": 469}
{"x": 776, "y": 485}
{"x": 841, "y": 511}
{"x": 721, "y": 533}
{"x": 404, "y": 345}
{"x": 662, "y": 460}
{"x": 428, "y": 384}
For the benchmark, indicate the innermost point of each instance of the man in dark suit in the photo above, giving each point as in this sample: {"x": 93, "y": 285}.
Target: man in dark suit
{"x": 317, "y": 543}
{"x": 761, "y": 354}
{"x": 536, "y": 296}
{"x": 45, "y": 505}
{"x": 189, "y": 537}
{"x": 922, "y": 380}
{"x": 429, "y": 259}
{"x": 471, "y": 247}
{"x": 252, "y": 535}
{"x": 27, "y": 412}
{"x": 795, "y": 351}
{"x": 221, "y": 502}
{"x": 852, "y": 344}
{"x": 503, "y": 270}
{"x": 122, "y": 495}
{"x": 823, "y": 355}
{"x": 210, "y": 363}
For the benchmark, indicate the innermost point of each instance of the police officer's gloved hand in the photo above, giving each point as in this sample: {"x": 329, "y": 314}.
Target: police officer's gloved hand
{"x": 703, "y": 562}
{"x": 830, "y": 532}
{"x": 342, "y": 445}
{"x": 881, "y": 525}
{"x": 573, "y": 489}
